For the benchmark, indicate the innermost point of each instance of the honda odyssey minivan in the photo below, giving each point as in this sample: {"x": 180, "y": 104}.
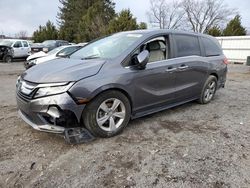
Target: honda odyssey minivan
{"x": 121, "y": 77}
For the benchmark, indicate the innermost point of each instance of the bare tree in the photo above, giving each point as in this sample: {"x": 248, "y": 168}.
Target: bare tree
{"x": 165, "y": 15}
{"x": 204, "y": 14}
{"x": 21, "y": 34}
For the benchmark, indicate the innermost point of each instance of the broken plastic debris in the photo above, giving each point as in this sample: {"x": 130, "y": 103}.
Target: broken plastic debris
{"x": 78, "y": 135}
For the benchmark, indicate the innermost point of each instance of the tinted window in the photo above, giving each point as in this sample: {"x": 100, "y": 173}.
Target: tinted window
{"x": 187, "y": 45}
{"x": 25, "y": 44}
{"x": 18, "y": 44}
{"x": 211, "y": 48}
{"x": 64, "y": 43}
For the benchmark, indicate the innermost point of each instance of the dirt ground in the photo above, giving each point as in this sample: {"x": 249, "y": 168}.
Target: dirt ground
{"x": 188, "y": 146}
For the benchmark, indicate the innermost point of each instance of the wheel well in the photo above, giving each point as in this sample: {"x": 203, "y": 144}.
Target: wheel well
{"x": 214, "y": 74}
{"x": 120, "y": 90}
{"x": 113, "y": 89}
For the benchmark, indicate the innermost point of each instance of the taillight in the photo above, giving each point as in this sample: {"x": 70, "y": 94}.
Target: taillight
{"x": 225, "y": 61}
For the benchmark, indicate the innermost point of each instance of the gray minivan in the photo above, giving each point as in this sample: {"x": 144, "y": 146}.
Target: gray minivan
{"x": 121, "y": 77}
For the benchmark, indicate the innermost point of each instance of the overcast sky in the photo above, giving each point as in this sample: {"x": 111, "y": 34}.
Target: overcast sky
{"x": 27, "y": 15}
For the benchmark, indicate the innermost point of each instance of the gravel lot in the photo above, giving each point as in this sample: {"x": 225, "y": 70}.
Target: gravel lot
{"x": 188, "y": 146}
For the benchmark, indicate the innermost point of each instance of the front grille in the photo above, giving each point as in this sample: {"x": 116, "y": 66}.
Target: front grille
{"x": 24, "y": 97}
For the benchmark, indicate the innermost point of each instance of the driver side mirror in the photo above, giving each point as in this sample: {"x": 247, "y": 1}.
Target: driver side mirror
{"x": 142, "y": 59}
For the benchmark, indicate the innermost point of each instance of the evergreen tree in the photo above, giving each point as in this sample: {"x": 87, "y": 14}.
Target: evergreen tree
{"x": 69, "y": 17}
{"x": 142, "y": 25}
{"x": 95, "y": 22}
{"x": 234, "y": 27}
{"x": 124, "y": 21}
{"x": 72, "y": 14}
{"x": 47, "y": 32}
{"x": 215, "y": 31}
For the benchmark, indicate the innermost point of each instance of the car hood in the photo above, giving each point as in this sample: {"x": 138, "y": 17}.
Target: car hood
{"x": 36, "y": 55}
{"x": 62, "y": 70}
{"x": 46, "y": 58}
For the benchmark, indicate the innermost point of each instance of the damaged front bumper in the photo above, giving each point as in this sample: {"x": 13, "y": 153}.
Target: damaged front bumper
{"x": 51, "y": 114}
{"x": 45, "y": 127}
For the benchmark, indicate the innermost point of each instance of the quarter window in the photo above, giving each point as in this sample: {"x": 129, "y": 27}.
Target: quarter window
{"x": 187, "y": 45}
{"x": 211, "y": 48}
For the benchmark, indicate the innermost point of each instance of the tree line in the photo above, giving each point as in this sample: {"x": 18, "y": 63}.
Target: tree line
{"x": 85, "y": 20}
{"x": 203, "y": 16}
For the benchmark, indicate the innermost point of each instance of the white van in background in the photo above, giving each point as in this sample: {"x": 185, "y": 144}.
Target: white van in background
{"x": 21, "y": 47}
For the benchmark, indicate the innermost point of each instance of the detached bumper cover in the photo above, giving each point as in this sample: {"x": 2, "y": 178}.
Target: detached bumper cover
{"x": 45, "y": 127}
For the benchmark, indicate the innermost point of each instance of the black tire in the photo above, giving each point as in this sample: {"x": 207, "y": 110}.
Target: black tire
{"x": 7, "y": 59}
{"x": 204, "y": 98}
{"x": 93, "y": 110}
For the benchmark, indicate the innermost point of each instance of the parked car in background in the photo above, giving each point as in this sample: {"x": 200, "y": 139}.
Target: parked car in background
{"x": 21, "y": 48}
{"x": 41, "y": 57}
{"x": 121, "y": 77}
{"x": 48, "y": 45}
{"x": 6, "y": 53}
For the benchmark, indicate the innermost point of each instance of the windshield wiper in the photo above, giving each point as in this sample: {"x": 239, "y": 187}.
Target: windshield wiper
{"x": 95, "y": 56}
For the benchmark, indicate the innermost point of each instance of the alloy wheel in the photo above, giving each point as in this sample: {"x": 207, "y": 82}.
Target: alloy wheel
{"x": 111, "y": 114}
{"x": 210, "y": 91}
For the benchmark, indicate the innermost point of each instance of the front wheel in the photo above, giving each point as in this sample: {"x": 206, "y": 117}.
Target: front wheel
{"x": 107, "y": 114}
{"x": 7, "y": 59}
{"x": 208, "y": 90}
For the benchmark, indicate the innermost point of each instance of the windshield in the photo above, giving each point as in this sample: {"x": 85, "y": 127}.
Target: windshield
{"x": 54, "y": 51}
{"x": 108, "y": 47}
{"x": 6, "y": 42}
{"x": 49, "y": 43}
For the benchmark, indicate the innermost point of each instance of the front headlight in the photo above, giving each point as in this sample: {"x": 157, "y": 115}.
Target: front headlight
{"x": 46, "y": 49}
{"x": 52, "y": 89}
{"x": 32, "y": 62}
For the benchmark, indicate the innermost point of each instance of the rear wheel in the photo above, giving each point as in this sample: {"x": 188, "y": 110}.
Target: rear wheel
{"x": 107, "y": 114}
{"x": 208, "y": 90}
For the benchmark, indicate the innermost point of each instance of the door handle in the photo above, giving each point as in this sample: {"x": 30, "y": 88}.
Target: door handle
{"x": 183, "y": 67}
{"x": 171, "y": 69}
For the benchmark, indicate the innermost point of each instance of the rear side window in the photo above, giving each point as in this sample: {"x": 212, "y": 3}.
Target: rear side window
{"x": 25, "y": 44}
{"x": 62, "y": 43}
{"x": 211, "y": 48}
{"x": 187, "y": 45}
